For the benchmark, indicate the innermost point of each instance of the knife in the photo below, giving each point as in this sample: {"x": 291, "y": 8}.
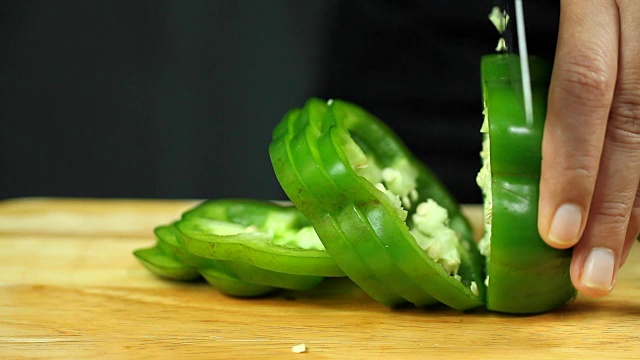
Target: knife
{"x": 500, "y": 17}
{"x": 524, "y": 62}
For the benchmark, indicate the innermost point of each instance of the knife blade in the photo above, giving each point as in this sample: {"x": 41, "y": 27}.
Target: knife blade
{"x": 500, "y": 16}
{"x": 524, "y": 62}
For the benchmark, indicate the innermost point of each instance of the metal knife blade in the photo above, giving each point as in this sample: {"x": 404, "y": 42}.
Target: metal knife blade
{"x": 524, "y": 61}
{"x": 502, "y": 11}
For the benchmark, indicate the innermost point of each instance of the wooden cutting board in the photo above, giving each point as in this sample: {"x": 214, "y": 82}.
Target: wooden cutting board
{"x": 70, "y": 288}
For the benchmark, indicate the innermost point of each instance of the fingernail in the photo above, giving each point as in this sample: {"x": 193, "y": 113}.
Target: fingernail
{"x": 565, "y": 227}
{"x": 597, "y": 271}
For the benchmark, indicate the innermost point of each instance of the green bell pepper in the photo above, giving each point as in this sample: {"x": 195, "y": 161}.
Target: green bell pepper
{"x": 524, "y": 275}
{"x": 368, "y": 198}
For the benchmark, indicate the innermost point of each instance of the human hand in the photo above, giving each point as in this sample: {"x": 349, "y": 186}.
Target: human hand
{"x": 591, "y": 145}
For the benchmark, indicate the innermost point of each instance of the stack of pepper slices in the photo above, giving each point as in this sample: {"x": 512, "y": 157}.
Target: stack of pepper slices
{"x": 366, "y": 208}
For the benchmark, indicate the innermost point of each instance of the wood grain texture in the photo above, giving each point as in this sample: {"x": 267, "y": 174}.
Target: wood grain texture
{"x": 70, "y": 288}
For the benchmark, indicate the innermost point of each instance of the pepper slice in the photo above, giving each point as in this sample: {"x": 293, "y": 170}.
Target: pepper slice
{"x": 168, "y": 259}
{"x": 239, "y": 270}
{"x": 163, "y": 265}
{"x": 353, "y": 178}
{"x": 243, "y": 247}
{"x": 374, "y": 270}
{"x": 168, "y": 242}
{"x": 229, "y": 284}
{"x": 271, "y": 240}
{"x": 524, "y": 274}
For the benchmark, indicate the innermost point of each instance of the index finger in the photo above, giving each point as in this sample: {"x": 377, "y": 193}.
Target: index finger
{"x": 580, "y": 97}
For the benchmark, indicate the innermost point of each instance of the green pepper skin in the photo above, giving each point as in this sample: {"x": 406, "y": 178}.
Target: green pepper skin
{"x": 168, "y": 259}
{"x": 256, "y": 247}
{"x": 168, "y": 242}
{"x": 525, "y": 274}
{"x": 369, "y": 274}
{"x": 244, "y": 263}
{"x": 163, "y": 265}
{"x": 240, "y": 270}
{"x": 357, "y": 223}
{"x": 228, "y": 283}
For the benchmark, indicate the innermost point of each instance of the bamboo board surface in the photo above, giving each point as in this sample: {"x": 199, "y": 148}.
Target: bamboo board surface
{"x": 70, "y": 288}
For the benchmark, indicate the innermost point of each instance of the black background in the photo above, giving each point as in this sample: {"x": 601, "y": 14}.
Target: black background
{"x": 177, "y": 99}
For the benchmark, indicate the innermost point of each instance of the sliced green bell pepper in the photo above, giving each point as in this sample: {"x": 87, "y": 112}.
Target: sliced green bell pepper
{"x": 364, "y": 191}
{"x": 381, "y": 216}
{"x": 228, "y": 283}
{"x": 272, "y": 238}
{"x": 164, "y": 265}
{"x": 524, "y": 274}
{"x": 342, "y": 251}
{"x": 169, "y": 259}
{"x": 243, "y": 247}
